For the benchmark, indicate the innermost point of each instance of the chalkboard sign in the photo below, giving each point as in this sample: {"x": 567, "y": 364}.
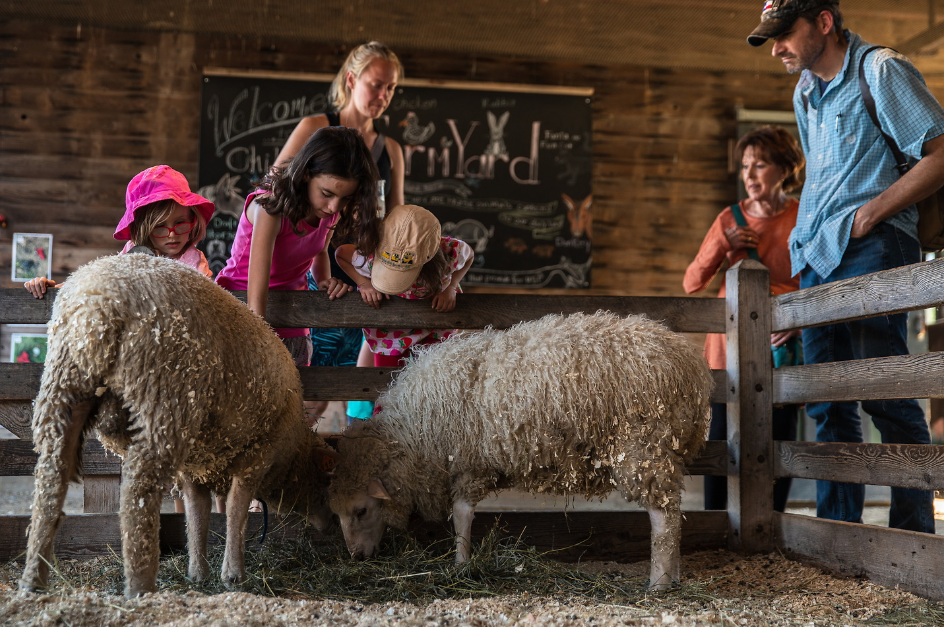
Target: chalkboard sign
{"x": 505, "y": 169}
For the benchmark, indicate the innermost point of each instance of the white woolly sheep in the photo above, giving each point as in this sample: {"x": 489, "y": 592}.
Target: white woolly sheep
{"x": 183, "y": 381}
{"x": 582, "y": 404}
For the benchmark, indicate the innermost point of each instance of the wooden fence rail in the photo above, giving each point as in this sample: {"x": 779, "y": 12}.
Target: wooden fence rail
{"x": 622, "y": 535}
{"x": 749, "y": 387}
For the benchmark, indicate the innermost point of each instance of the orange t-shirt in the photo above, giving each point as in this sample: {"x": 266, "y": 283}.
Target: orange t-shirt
{"x": 772, "y": 249}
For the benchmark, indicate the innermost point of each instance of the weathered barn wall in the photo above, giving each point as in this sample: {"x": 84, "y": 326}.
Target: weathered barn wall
{"x": 84, "y": 109}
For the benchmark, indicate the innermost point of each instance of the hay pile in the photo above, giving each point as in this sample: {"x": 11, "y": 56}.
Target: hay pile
{"x": 506, "y": 583}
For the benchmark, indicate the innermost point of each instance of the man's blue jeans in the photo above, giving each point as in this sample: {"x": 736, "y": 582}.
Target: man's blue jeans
{"x": 899, "y": 421}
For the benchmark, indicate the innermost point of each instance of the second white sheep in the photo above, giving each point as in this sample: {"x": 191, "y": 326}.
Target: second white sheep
{"x": 582, "y": 404}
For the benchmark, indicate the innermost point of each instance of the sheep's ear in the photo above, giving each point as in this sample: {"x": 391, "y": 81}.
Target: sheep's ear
{"x": 377, "y": 490}
{"x": 327, "y": 459}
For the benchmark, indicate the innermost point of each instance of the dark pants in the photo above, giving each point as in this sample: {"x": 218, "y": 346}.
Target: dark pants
{"x": 784, "y": 427}
{"x": 899, "y": 421}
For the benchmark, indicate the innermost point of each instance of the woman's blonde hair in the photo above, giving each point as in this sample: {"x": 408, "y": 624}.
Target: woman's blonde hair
{"x": 149, "y": 216}
{"x": 356, "y": 62}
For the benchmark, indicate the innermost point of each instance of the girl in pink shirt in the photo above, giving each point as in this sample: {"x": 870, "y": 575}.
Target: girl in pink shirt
{"x": 329, "y": 187}
{"x": 162, "y": 215}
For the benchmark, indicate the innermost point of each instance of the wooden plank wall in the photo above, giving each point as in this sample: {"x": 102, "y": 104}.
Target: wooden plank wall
{"x": 84, "y": 109}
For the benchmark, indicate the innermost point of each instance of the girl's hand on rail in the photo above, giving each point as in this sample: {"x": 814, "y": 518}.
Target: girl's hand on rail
{"x": 37, "y": 287}
{"x": 371, "y": 296}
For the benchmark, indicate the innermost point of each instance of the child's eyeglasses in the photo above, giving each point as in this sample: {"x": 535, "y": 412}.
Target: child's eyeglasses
{"x": 183, "y": 228}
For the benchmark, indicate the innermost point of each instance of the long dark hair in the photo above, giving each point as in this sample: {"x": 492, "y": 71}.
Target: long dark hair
{"x": 335, "y": 151}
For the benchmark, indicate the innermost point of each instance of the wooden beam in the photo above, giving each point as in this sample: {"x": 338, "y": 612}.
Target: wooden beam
{"x": 719, "y": 393}
{"x": 16, "y": 417}
{"x": 926, "y": 41}
{"x": 917, "y": 286}
{"x": 750, "y": 492}
{"x": 17, "y": 459}
{"x": 903, "y": 376}
{"x": 19, "y": 383}
{"x": 291, "y": 309}
{"x": 897, "y": 559}
{"x": 101, "y": 494}
{"x": 572, "y": 536}
{"x": 714, "y": 460}
{"x": 918, "y": 466}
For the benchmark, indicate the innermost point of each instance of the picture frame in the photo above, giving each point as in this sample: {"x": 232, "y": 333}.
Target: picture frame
{"x": 28, "y": 348}
{"x": 32, "y": 256}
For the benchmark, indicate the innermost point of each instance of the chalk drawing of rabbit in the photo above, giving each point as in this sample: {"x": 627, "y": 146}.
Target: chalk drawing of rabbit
{"x": 496, "y": 135}
{"x": 579, "y": 216}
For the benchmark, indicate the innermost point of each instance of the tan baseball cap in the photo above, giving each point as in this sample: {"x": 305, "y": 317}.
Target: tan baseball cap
{"x": 409, "y": 237}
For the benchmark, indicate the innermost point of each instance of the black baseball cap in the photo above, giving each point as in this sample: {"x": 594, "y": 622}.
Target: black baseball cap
{"x": 779, "y": 16}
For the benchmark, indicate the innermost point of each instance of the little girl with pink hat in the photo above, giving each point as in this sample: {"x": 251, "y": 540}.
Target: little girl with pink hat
{"x": 162, "y": 215}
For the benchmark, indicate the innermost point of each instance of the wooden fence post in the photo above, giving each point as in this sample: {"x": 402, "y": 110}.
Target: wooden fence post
{"x": 101, "y": 493}
{"x": 750, "y": 486}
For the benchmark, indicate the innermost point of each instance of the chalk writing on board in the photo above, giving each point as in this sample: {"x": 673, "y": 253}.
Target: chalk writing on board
{"x": 507, "y": 171}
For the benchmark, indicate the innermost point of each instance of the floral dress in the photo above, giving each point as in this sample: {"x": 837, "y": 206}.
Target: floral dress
{"x": 395, "y": 342}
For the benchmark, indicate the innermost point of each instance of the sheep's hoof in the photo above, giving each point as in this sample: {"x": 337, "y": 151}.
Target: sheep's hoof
{"x": 29, "y": 583}
{"x": 663, "y": 586}
{"x": 136, "y": 591}
{"x": 231, "y": 580}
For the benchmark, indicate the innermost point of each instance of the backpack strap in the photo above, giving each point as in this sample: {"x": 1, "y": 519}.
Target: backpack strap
{"x": 742, "y": 222}
{"x": 901, "y": 163}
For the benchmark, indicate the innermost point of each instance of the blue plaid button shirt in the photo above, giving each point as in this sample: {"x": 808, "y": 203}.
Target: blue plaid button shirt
{"x": 847, "y": 161}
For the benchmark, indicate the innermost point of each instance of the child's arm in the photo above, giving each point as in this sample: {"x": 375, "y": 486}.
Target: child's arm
{"x": 446, "y": 299}
{"x": 37, "y": 287}
{"x": 321, "y": 270}
{"x": 345, "y": 255}
{"x": 265, "y": 228}
{"x": 303, "y": 130}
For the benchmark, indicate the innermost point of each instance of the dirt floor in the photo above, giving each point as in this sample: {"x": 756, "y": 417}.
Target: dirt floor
{"x": 719, "y": 588}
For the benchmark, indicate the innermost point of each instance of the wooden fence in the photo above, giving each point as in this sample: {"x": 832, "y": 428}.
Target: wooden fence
{"x": 749, "y": 458}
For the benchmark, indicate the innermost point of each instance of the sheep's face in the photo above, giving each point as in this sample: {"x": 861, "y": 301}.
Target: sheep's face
{"x": 322, "y": 519}
{"x": 361, "y": 517}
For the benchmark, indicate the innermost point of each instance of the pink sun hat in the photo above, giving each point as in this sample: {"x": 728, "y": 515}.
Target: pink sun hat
{"x": 160, "y": 182}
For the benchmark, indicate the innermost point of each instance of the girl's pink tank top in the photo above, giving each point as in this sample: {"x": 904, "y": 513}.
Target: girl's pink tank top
{"x": 291, "y": 257}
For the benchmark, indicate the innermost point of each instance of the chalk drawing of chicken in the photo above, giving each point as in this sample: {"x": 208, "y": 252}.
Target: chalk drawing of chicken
{"x": 413, "y": 133}
{"x": 496, "y": 135}
{"x": 579, "y": 216}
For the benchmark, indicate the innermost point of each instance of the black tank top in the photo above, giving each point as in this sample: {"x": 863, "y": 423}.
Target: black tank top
{"x": 379, "y": 152}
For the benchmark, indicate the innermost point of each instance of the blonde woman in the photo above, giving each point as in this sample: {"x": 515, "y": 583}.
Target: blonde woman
{"x": 360, "y": 93}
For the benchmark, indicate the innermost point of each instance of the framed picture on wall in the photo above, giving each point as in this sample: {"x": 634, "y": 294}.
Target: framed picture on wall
{"x": 32, "y": 256}
{"x": 28, "y": 348}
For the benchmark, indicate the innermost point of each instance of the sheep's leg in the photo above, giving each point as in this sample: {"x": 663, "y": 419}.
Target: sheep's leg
{"x": 666, "y": 523}
{"x": 462, "y": 514}
{"x": 144, "y": 478}
{"x": 197, "y": 508}
{"x": 237, "y": 513}
{"x": 57, "y": 464}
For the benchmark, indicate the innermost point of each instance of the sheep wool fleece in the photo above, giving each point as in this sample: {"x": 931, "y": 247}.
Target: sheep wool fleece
{"x": 141, "y": 352}
{"x": 580, "y": 404}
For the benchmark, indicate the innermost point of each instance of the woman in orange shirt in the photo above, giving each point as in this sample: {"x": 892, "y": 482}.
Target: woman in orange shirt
{"x": 771, "y": 161}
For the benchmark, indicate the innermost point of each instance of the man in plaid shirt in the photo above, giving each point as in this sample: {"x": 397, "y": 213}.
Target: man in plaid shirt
{"x": 857, "y": 215}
